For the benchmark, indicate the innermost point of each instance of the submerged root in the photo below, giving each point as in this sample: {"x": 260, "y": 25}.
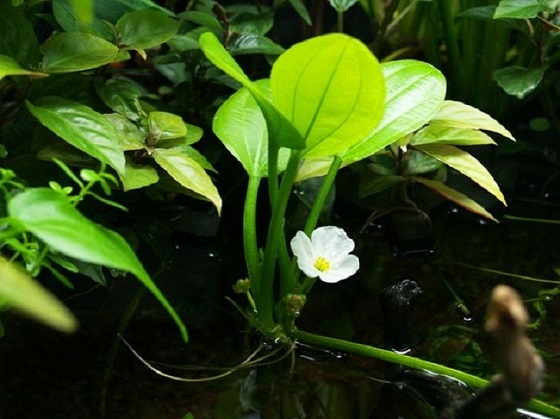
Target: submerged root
{"x": 253, "y": 360}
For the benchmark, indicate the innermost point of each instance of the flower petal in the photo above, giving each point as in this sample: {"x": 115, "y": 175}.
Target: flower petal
{"x": 332, "y": 243}
{"x": 348, "y": 267}
{"x": 303, "y": 250}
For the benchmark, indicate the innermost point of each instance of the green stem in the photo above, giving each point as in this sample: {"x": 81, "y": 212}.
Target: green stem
{"x": 265, "y": 298}
{"x": 450, "y": 35}
{"x": 340, "y": 22}
{"x": 409, "y": 361}
{"x": 250, "y": 245}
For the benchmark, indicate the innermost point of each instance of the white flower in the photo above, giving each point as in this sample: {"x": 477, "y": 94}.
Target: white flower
{"x": 326, "y": 255}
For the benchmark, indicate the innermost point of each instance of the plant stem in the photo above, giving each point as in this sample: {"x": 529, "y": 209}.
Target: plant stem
{"x": 448, "y": 25}
{"x": 409, "y": 361}
{"x": 250, "y": 245}
{"x": 340, "y": 21}
{"x": 265, "y": 298}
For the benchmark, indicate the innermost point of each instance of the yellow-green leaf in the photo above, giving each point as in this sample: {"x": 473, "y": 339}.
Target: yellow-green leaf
{"x": 465, "y": 163}
{"x": 459, "y": 115}
{"x": 9, "y": 67}
{"x": 18, "y": 290}
{"x": 456, "y": 197}
{"x": 441, "y": 134}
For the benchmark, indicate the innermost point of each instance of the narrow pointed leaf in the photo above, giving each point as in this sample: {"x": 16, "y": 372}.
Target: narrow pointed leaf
{"x": 82, "y": 127}
{"x": 281, "y": 132}
{"x": 459, "y": 115}
{"x": 187, "y": 172}
{"x": 435, "y": 133}
{"x": 415, "y": 92}
{"x": 456, "y": 197}
{"x": 464, "y": 163}
{"x": 77, "y": 51}
{"x": 49, "y": 216}
{"x": 332, "y": 90}
{"x": 8, "y": 67}
{"x": 18, "y": 290}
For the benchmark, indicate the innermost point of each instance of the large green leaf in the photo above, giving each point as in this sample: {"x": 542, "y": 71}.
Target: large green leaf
{"x": 77, "y": 51}
{"x": 144, "y": 29}
{"x": 130, "y": 137}
{"x": 281, "y": 132}
{"x": 20, "y": 291}
{"x": 415, "y": 92}
{"x": 82, "y": 127}
{"x": 465, "y": 163}
{"x": 455, "y": 196}
{"x": 122, "y": 96}
{"x": 459, "y": 115}
{"x": 8, "y": 67}
{"x": 187, "y": 172}
{"x": 332, "y": 90}
{"x": 240, "y": 125}
{"x": 48, "y": 215}
{"x": 435, "y": 133}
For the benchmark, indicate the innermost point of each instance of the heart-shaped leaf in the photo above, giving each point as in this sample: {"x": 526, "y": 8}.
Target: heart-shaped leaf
{"x": 332, "y": 90}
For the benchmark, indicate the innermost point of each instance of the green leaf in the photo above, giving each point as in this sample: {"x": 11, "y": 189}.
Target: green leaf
{"x": 254, "y": 44}
{"x": 187, "y": 172}
{"x": 82, "y": 127}
{"x": 130, "y": 137}
{"x": 342, "y": 5}
{"x": 519, "y": 81}
{"x": 122, "y": 96}
{"x": 435, "y": 133}
{"x": 416, "y": 163}
{"x": 301, "y": 10}
{"x": 145, "y": 29}
{"x": 517, "y": 9}
{"x": 415, "y": 92}
{"x": 111, "y": 10}
{"x": 8, "y": 67}
{"x": 332, "y": 90}
{"x": 17, "y": 36}
{"x": 458, "y": 115}
{"x": 466, "y": 164}
{"x": 455, "y": 196}
{"x": 203, "y": 19}
{"x": 194, "y": 134}
{"x": 281, "y": 132}
{"x": 240, "y": 125}
{"x": 48, "y": 215}
{"x": 20, "y": 291}
{"x": 165, "y": 125}
{"x": 77, "y": 51}
{"x": 138, "y": 176}
{"x": 370, "y": 186}
{"x": 252, "y": 24}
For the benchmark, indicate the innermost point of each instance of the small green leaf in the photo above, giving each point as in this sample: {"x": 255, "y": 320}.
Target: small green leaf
{"x": 145, "y": 29}
{"x": 517, "y": 9}
{"x": 465, "y": 163}
{"x": 138, "y": 176}
{"x": 77, "y": 51}
{"x": 187, "y": 172}
{"x": 83, "y": 10}
{"x": 458, "y": 115}
{"x": 455, "y": 196}
{"x": 435, "y": 133}
{"x": 370, "y": 186}
{"x": 8, "y": 67}
{"x": 122, "y": 96}
{"x": 331, "y": 89}
{"x": 416, "y": 163}
{"x": 415, "y": 92}
{"x": 82, "y": 127}
{"x": 252, "y": 24}
{"x": 240, "y": 125}
{"x": 203, "y": 19}
{"x": 519, "y": 81}
{"x": 48, "y": 215}
{"x": 301, "y": 10}
{"x": 20, "y": 291}
{"x": 281, "y": 132}
{"x": 254, "y": 44}
{"x": 166, "y": 126}
{"x": 194, "y": 134}
{"x": 17, "y": 36}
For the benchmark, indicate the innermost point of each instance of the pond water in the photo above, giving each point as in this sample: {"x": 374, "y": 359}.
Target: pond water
{"x": 47, "y": 375}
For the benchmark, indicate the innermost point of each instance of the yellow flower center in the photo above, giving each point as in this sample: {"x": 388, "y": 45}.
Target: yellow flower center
{"x": 322, "y": 264}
